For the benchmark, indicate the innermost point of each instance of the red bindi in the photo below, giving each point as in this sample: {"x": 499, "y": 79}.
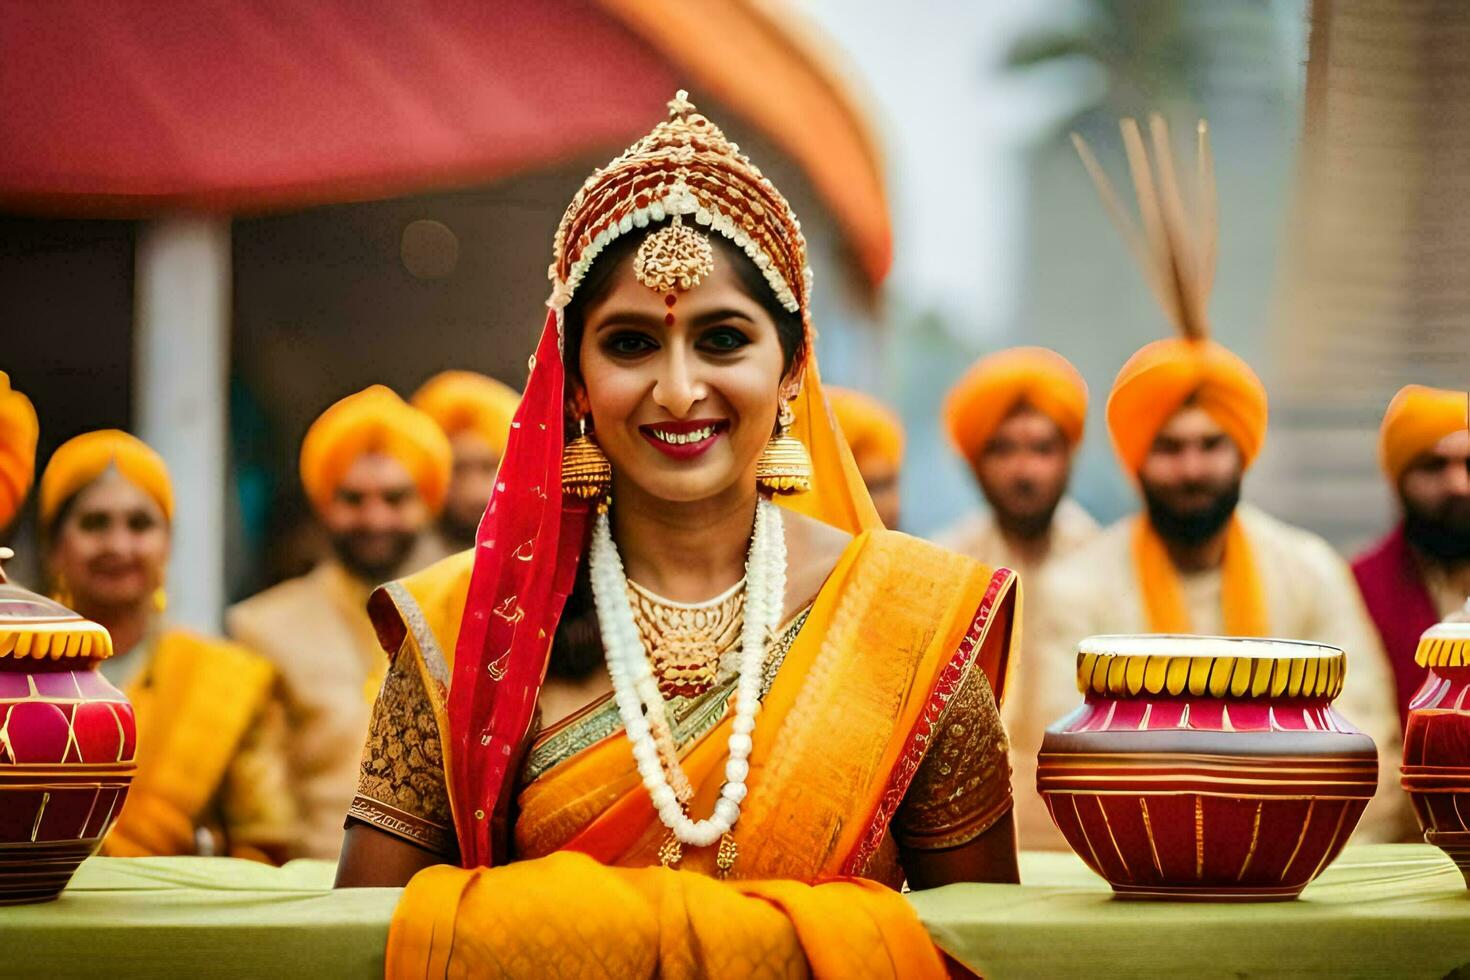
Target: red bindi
{"x": 668, "y": 319}
{"x": 670, "y": 300}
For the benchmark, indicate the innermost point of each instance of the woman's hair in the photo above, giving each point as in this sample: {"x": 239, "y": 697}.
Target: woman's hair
{"x": 576, "y": 649}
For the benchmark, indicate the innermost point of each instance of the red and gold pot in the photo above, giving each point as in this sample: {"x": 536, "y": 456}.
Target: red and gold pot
{"x": 1206, "y": 768}
{"x": 66, "y": 744}
{"x": 1436, "y": 770}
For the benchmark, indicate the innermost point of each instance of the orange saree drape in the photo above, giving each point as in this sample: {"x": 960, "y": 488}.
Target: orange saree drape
{"x": 843, "y": 730}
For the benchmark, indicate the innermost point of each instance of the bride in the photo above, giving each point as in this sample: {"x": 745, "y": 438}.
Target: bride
{"x": 682, "y": 638}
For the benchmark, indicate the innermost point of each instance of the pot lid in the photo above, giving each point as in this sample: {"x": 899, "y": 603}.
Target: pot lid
{"x": 1446, "y": 644}
{"x": 1213, "y": 666}
{"x": 32, "y": 625}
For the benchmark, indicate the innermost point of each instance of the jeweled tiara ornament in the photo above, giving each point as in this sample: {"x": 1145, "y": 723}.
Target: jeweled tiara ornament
{"x": 674, "y": 257}
{"x": 684, "y": 168}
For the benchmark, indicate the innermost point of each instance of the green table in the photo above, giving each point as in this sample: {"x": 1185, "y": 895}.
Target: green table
{"x": 1387, "y": 910}
{"x": 1383, "y": 910}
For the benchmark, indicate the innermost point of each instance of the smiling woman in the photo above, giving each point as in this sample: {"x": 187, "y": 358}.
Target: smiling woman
{"x": 211, "y": 742}
{"x": 789, "y": 691}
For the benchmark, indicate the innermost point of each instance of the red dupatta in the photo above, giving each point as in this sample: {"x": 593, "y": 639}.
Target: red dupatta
{"x": 526, "y": 552}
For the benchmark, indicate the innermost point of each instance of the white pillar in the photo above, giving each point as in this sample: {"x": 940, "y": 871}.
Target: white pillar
{"x": 181, "y": 344}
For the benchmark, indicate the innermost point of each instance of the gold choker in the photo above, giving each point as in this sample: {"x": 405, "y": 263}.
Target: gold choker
{"x": 686, "y": 642}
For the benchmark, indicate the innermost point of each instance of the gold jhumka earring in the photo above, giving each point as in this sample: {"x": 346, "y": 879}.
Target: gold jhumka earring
{"x": 61, "y": 592}
{"x": 585, "y": 471}
{"x": 784, "y": 465}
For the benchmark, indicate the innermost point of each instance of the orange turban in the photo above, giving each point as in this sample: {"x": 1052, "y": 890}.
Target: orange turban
{"x": 995, "y": 385}
{"x": 868, "y": 425}
{"x": 83, "y": 459}
{"x": 460, "y": 400}
{"x": 1161, "y": 377}
{"x": 374, "y": 420}
{"x": 1417, "y": 418}
{"x": 18, "y": 433}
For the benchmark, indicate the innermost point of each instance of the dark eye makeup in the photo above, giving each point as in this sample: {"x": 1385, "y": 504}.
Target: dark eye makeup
{"x": 628, "y": 343}
{"x": 724, "y": 339}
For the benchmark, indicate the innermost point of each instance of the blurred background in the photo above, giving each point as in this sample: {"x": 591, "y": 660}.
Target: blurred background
{"x": 218, "y": 218}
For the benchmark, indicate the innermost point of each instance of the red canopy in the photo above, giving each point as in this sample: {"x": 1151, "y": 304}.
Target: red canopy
{"x": 131, "y": 107}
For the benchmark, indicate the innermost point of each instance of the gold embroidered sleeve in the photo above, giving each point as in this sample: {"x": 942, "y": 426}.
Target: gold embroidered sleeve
{"x": 963, "y": 786}
{"x": 401, "y": 788}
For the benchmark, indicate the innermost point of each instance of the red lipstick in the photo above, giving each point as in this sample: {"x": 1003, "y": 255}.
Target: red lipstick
{"x": 684, "y": 440}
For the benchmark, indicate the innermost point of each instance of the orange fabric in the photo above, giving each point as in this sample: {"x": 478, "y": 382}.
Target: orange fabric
{"x": 775, "y": 73}
{"x": 193, "y": 704}
{"x": 1161, "y": 377}
{"x": 1242, "y": 596}
{"x": 83, "y": 459}
{"x": 995, "y": 385}
{"x": 840, "y": 681}
{"x": 464, "y": 400}
{"x": 1417, "y": 418}
{"x": 19, "y": 431}
{"x": 839, "y": 496}
{"x": 566, "y": 915}
{"x": 869, "y": 426}
{"x": 374, "y": 420}
{"x": 808, "y": 810}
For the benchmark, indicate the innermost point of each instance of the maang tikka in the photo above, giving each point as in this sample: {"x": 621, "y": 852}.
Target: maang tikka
{"x": 674, "y": 257}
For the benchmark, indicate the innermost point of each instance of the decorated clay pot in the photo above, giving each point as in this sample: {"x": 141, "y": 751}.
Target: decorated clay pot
{"x": 1436, "y": 770}
{"x": 66, "y": 744}
{"x": 1206, "y": 768}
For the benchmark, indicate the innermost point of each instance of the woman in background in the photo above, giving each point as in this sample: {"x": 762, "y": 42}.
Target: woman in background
{"x": 211, "y": 777}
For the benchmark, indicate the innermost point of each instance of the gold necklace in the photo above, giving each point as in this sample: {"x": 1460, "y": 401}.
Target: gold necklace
{"x": 686, "y": 642}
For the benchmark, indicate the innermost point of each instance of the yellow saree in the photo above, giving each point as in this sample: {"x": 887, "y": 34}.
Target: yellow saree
{"x": 888, "y": 641}
{"x": 207, "y": 755}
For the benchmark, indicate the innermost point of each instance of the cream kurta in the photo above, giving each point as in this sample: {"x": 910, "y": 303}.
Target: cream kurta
{"x": 315, "y": 630}
{"x": 1026, "y": 703}
{"x": 1310, "y": 595}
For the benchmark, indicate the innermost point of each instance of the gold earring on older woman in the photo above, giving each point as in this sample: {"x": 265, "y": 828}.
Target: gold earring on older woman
{"x": 784, "y": 465}
{"x": 61, "y": 592}
{"x": 585, "y": 471}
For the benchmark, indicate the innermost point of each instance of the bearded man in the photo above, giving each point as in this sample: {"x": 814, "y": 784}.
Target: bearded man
{"x": 376, "y": 472}
{"x": 1017, "y": 417}
{"x": 1420, "y": 571}
{"x": 1187, "y": 419}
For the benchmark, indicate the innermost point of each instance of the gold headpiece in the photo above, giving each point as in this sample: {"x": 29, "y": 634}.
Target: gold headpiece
{"x": 1177, "y": 255}
{"x": 685, "y": 167}
{"x": 674, "y": 257}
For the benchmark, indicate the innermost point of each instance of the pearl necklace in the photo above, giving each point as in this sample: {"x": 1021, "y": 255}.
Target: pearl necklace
{"x": 642, "y": 706}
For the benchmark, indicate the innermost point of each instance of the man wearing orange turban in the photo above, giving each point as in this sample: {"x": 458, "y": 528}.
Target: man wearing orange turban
{"x": 1187, "y": 419}
{"x": 18, "y": 433}
{"x": 376, "y": 472}
{"x": 875, "y": 436}
{"x": 1017, "y": 417}
{"x": 475, "y": 412}
{"x": 1420, "y": 571}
